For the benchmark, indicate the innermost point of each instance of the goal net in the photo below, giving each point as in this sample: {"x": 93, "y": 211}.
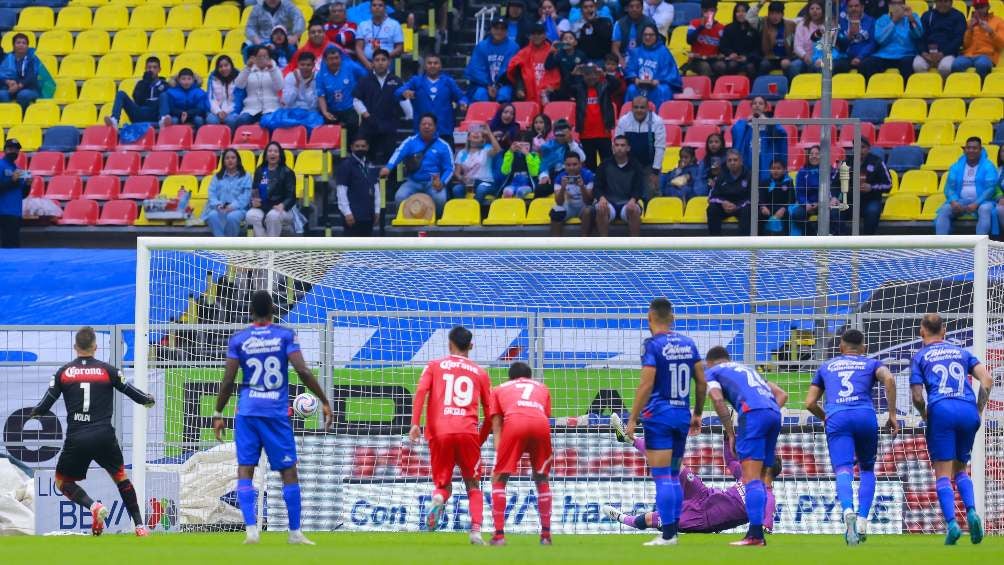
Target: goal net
{"x": 371, "y": 313}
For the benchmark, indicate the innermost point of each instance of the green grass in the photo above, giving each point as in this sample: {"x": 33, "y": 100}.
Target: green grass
{"x": 444, "y": 549}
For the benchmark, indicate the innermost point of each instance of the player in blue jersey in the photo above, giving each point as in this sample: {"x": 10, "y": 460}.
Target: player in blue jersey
{"x": 759, "y": 405}
{"x": 952, "y": 411}
{"x": 852, "y": 424}
{"x": 669, "y": 361}
{"x": 263, "y": 353}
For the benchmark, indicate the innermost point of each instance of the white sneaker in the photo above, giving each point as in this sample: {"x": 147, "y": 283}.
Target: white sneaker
{"x": 110, "y": 121}
{"x": 618, "y": 426}
{"x": 862, "y": 529}
{"x": 660, "y": 541}
{"x": 252, "y": 535}
{"x": 476, "y": 539}
{"x": 166, "y": 121}
{"x": 296, "y": 537}
{"x": 611, "y": 512}
{"x": 850, "y": 524}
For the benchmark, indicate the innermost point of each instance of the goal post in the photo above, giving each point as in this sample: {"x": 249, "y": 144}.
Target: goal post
{"x": 371, "y": 312}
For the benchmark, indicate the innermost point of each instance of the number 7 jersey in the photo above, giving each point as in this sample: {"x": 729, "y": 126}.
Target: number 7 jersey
{"x": 455, "y": 386}
{"x": 944, "y": 369}
{"x": 263, "y": 351}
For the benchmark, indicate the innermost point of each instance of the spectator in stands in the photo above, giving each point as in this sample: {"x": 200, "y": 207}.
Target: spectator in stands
{"x": 807, "y": 193}
{"x": 222, "y": 91}
{"x": 335, "y": 85}
{"x": 875, "y": 183}
{"x": 520, "y": 167}
{"x": 428, "y": 162}
{"x": 777, "y": 193}
{"x": 714, "y": 160}
{"x": 473, "y": 164}
{"x": 357, "y": 188}
{"x": 552, "y": 22}
{"x": 229, "y": 196}
{"x": 270, "y": 13}
{"x": 317, "y": 43}
{"x": 280, "y": 48}
{"x": 504, "y": 127}
{"x": 971, "y": 189}
{"x": 565, "y": 57}
{"x": 740, "y": 44}
{"x": 627, "y": 30}
{"x": 730, "y": 197}
{"x": 876, "y": 8}
{"x": 777, "y": 38}
{"x": 773, "y": 140}
{"x": 273, "y": 194}
{"x": 704, "y": 36}
{"x": 840, "y": 62}
{"x": 573, "y": 195}
{"x": 13, "y": 188}
{"x": 651, "y": 71}
{"x": 577, "y": 14}
{"x": 896, "y": 34}
{"x": 381, "y": 110}
{"x": 262, "y": 81}
{"x": 524, "y": 69}
{"x": 610, "y": 67}
{"x": 21, "y": 71}
{"x": 339, "y": 30}
{"x": 434, "y": 93}
{"x": 646, "y": 135}
{"x": 485, "y": 72}
{"x": 299, "y": 88}
{"x": 540, "y": 127}
{"x": 594, "y": 32}
{"x": 857, "y": 34}
{"x": 619, "y": 190}
{"x": 595, "y": 114}
{"x": 518, "y": 24}
{"x": 662, "y": 13}
{"x": 379, "y": 32}
{"x": 683, "y": 181}
{"x": 144, "y": 106}
{"x": 983, "y": 41}
{"x": 552, "y": 154}
{"x": 944, "y": 28}
{"x": 804, "y": 41}
{"x": 185, "y": 103}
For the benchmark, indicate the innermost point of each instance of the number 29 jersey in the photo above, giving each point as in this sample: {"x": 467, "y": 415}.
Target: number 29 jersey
{"x": 674, "y": 357}
{"x": 456, "y": 386}
{"x": 944, "y": 369}
{"x": 263, "y": 352}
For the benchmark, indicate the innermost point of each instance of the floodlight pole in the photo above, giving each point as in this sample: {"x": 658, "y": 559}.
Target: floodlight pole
{"x": 825, "y": 153}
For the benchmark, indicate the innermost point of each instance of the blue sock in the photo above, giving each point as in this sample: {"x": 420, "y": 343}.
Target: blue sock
{"x": 866, "y": 493}
{"x": 756, "y": 497}
{"x": 291, "y": 495}
{"x": 665, "y": 500}
{"x": 965, "y": 486}
{"x": 946, "y": 497}
{"x": 247, "y": 498}
{"x": 845, "y": 493}
{"x": 674, "y": 480}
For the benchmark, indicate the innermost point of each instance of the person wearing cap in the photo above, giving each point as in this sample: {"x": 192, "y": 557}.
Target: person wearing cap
{"x": 434, "y": 93}
{"x": 525, "y": 67}
{"x": 628, "y": 29}
{"x": 185, "y": 103}
{"x": 270, "y": 13}
{"x": 13, "y": 188}
{"x": 944, "y": 27}
{"x": 857, "y": 34}
{"x": 777, "y": 38}
{"x": 317, "y": 43}
{"x": 378, "y": 32}
{"x": 983, "y": 41}
{"x": 594, "y": 30}
{"x": 896, "y": 34}
{"x": 518, "y": 23}
{"x": 486, "y": 71}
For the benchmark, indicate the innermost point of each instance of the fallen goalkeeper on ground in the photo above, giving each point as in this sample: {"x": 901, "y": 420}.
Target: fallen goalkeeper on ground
{"x": 706, "y": 509}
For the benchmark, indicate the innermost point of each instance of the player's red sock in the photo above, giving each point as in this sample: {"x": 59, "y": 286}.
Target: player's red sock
{"x": 498, "y": 507}
{"x": 476, "y": 499}
{"x": 544, "y": 508}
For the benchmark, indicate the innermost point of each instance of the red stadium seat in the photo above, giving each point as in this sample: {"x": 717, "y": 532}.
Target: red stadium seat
{"x": 697, "y": 135}
{"x": 892, "y": 134}
{"x": 525, "y": 113}
{"x": 144, "y": 143}
{"x": 199, "y": 163}
{"x": 674, "y": 135}
{"x": 212, "y": 137}
{"x": 249, "y": 137}
{"x": 174, "y": 138}
{"x": 325, "y": 137}
{"x": 791, "y": 109}
{"x": 679, "y": 112}
{"x": 481, "y": 111}
{"x": 731, "y": 87}
{"x": 847, "y": 134}
{"x": 291, "y": 138}
{"x": 118, "y": 213}
{"x": 716, "y": 112}
{"x": 561, "y": 110}
{"x": 37, "y": 187}
{"x": 839, "y": 108}
{"x": 812, "y": 135}
{"x": 84, "y": 163}
{"x": 64, "y": 187}
{"x": 98, "y": 138}
{"x": 792, "y": 135}
{"x": 102, "y": 188}
{"x": 744, "y": 110}
{"x": 80, "y": 213}
{"x": 626, "y": 107}
{"x": 46, "y": 163}
{"x": 694, "y": 88}
{"x": 796, "y": 160}
{"x": 140, "y": 188}
{"x": 160, "y": 163}
{"x": 122, "y": 163}
{"x": 22, "y": 160}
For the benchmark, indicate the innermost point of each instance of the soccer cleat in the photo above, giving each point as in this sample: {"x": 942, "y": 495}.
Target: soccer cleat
{"x": 546, "y": 540}
{"x": 618, "y": 426}
{"x": 954, "y": 533}
{"x": 98, "y": 515}
{"x": 662, "y": 541}
{"x": 749, "y": 541}
{"x": 975, "y": 526}
{"x": 850, "y": 526}
{"x": 497, "y": 540}
{"x": 611, "y": 512}
{"x": 862, "y": 529}
{"x": 142, "y": 532}
{"x": 434, "y": 515}
{"x": 296, "y": 537}
{"x": 476, "y": 539}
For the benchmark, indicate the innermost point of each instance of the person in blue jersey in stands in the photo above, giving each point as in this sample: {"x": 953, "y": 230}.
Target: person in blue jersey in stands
{"x": 434, "y": 93}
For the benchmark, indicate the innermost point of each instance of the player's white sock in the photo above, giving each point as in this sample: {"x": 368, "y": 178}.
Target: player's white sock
{"x": 850, "y": 521}
{"x": 296, "y": 537}
{"x": 252, "y": 534}
{"x": 862, "y": 527}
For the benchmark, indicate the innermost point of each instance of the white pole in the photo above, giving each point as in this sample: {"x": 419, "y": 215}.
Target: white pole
{"x": 980, "y": 298}
{"x": 141, "y": 379}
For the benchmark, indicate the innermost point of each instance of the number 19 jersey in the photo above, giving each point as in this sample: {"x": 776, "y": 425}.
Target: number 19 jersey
{"x": 263, "y": 351}
{"x": 944, "y": 369}
{"x": 456, "y": 386}
{"x": 674, "y": 357}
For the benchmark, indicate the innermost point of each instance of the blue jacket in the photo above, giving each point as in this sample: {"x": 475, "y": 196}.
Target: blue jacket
{"x": 434, "y": 98}
{"x": 337, "y": 88}
{"x": 986, "y": 180}
{"x": 195, "y": 101}
{"x": 489, "y": 62}
{"x": 896, "y": 41}
{"x": 11, "y": 191}
{"x": 438, "y": 158}
{"x": 26, "y": 73}
{"x": 653, "y": 62}
{"x": 231, "y": 189}
{"x": 861, "y": 45}
{"x": 773, "y": 145}
{"x": 807, "y": 185}
{"x": 944, "y": 30}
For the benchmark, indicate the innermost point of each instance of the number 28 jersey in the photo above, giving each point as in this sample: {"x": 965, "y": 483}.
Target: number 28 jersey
{"x": 944, "y": 369}
{"x": 263, "y": 351}
{"x": 456, "y": 386}
{"x": 674, "y": 357}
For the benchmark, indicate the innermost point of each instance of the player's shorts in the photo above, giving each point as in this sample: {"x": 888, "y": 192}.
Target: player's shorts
{"x": 619, "y": 210}
{"x": 519, "y": 437}
{"x": 79, "y": 449}
{"x": 756, "y": 437}
{"x": 274, "y": 435}
{"x": 454, "y": 450}
{"x": 668, "y": 430}
{"x": 852, "y": 434}
{"x": 951, "y": 430}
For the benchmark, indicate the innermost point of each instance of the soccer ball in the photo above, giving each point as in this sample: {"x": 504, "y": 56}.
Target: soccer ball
{"x": 305, "y": 405}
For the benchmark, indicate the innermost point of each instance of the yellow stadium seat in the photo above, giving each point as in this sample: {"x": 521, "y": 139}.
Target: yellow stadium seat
{"x": 901, "y": 207}
{"x": 35, "y": 18}
{"x": 171, "y": 185}
{"x": 131, "y": 41}
{"x": 849, "y": 86}
{"x": 49, "y": 62}
{"x": 116, "y": 66}
{"x": 165, "y": 64}
{"x": 884, "y": 85}
{"x": 245, "y": 15}
{"x": 42, "y": 113}
{"x": 539, "y": 213}
{"x": 195, "y": 61}
{"x": 978, "y": 128}
{"x": 809, "y": 87}
{"x": 931, "y": 205}
{"x": 167, "y": 40}
{"x": 55, "y": 42}
{"x": 961, "y": 6}
{"x": 908, "y": 110}
{"x": 962, "y": 85}
{"x": 77, "y": 66}
{"x": 29, "y": 136}
{"x": 93, "y": 42}
{"x": 409, "y": 42}
{"x": 204, "y": 41}
{"x": 894, "y": 177}
{"x": 79, "y": 114}
{"x": 305, "y": 188}
{"x": 288, "y": 154}
{"x": 106, "y": 111}
{"x": 670, "y": 159}
{"x": 791, "y": 10}
{"x": 225, "y": 16}
{"x": 401, "y": 221}
{"x": 185, "y": 16}
{"x": 147, "y": 16}
{"x": 993, "y": 85}
{"x": 506, "y": 212}
{"x": 923, "y": 85}
{"x": 112, "y": 17}
{"x": 7, "y": 41}
{"x": 937, "y": 132}
{"x": 248, "y": 159}
{"x": 66, "y": 90}
{"x": 89, "y": 3}
{"x": 74, "y": 18}
{"x": 663, "y": 210}
{"x": 949, "y": 109}
{"x": 724, "y": 12}
{"x": 941, "y": 157}
{"x": 697, "y": 209}
{"x": 919, "y": 182}
{"x": 203, "y": 191}
{"x": 313, "y": 162}
{"x": 10, "y": 114}
{"x": 461, "y": 212}
{"x": 919, "y": 6}
{"x": 234, "y": 41}
{"x": 678, "y": 40}
{"x": 986, "y": 109}
{"x": 128, "y": 85}
{"x": 98, "y": 91}
{"x": 237, "y": 59}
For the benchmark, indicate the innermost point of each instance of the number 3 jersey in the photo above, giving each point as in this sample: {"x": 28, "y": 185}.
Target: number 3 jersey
{"x": 944, "y": 371}
{"x": 674, "y": 357}
{"x": 263, "y": 351}
{"x": 455, "y": 387}
{"x": 848, "y": 382}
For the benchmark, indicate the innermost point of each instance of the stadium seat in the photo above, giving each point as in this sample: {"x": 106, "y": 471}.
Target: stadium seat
{"x": 73, "y": 18}
{"x": 46, "y": 163}
{"x": 198, "y": 163}
{"x": 83, "y": 163}
{"x": 894, "y": 177}
{"x": 923, "y": 85}
{"x": 185, "y": 16}
{"x": 812, "y": 135}
{"x": 10, "y": 114}
{"x": 670, "y": 159}
{"x": 918, "y": 182}
{"x": 849, "y": 86}
{"x": 796, "y": 160}
{"x": 80, "y": 115}
{"x": 64, "y": 187}
{"x": 98, "y": 138}
{"x": 962, "y": 85}
{"x": 122, "y": 163}
{"x": 560, "y": 110}
{"x": 77, "y": 66}
{"x": 481, "y": 112}
{"x": 174, "y": 138}
{"x": 885, "y": 85}
{"x": 743, "y": 110}
{"x": 250, "y": 137}
{"x": 223, "y": 17}
{"x": 194, "y": 61}
{"x": 952, "y": 109}
{"x": 102, "y": 188}
{"x": 131, "y": 41}
{"x": 697, "y": 135}
{"x": 144, "y": 143}
{"x": 60, "y": 138}
{"x": 174, "y": 183}
{"x": 93, "y": 42}
{"x": 808, "y": 86}
{"x": 937, "y": 132}
{"x": 506, "y": 212}
{"x": 167, "y": 40}
{"x": 903, "y": 158}
{"x": 328, "y": 137}
{"x": 313, "y": 162}
{"x": 839, "y": 108}
{"x": 35, "y": 18}
{"x": 118, "y": 213}
{"x": 999, "y": 133}
{"x": 80, "y": 213}
{"x": 294, "y": 138}
{"x": 908, "y": 110}
{"x": 139, "y": 188}
{"x": 717, "y": 112}
{"x": 993, "y": 86}
{"x": 679, "y": 112}
{"x": 148, "y": 17}
{"x": 901, "y": 208}
{"x": 941, "y": 157}
{"x": 731, "y": 87}
{"x": 696, "y": 211}
{"x": 305, "y": 188}
{"x": 931, "y": 205}
{"x": 233, "y": 41}
{"x": 663, "y": 210}
{"x": 892, "y": 134}
{"x": 694, "y": 88}
{"x": 975, "y": 128}
{"x": 37, "y": 189}
{"x": 165, "y": 64}
{"x": 685, "y": 12}
{"x": 48, "y": 61}
{"x": 98, "y": 90}
{"x": 55, "y": 42}
{"x": 30, "y": 136}
{"x": 871, "y": 110}
{"x": 212, "y": 137}
{"x": 7, "y": 41}
{"x": 985, "y": 109}
{"x": 525, "y": 112}
{"x": 791, "y": 109}
{"x": 205, "y": 41}
{"x": 539, "y": 213}
{"x": 160, "y": 163}
{"x": 461, "y": 212}
{"x": 762, "y": 87}
{"x": 401, "y": 221}
{"x": 674, "y": 135}
{"x": 847, "y": 134}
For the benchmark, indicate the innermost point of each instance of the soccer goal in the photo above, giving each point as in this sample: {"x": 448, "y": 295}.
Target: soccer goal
{"x": 371, "y": 312}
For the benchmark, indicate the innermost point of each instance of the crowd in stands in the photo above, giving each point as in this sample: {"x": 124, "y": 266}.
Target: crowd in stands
{"x": 575, "y": 103}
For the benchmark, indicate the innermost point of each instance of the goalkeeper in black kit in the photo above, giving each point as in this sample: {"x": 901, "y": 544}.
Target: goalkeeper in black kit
{"x": 88, "y": 389}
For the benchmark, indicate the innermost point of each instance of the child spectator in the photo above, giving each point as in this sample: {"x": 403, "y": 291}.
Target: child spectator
{"x": 222, "y": 92}
{"x": 520, "y": 165}
{"x": 776, "y": 194}
{"x": 683, "y": 182}
{"x": 541, "y": 129}
{"x": 185, "y": 103}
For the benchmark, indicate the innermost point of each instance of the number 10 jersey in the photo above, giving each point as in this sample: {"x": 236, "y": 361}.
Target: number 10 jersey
{"x": 263, "y": 352}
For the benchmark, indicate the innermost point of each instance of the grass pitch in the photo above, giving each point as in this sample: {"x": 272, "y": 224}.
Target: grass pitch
{"x": 449, "y": 548}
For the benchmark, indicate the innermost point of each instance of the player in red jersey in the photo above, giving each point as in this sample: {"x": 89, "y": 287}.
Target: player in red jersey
{"x": 455, "y": 386}
{"x": 520, "y": 411}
